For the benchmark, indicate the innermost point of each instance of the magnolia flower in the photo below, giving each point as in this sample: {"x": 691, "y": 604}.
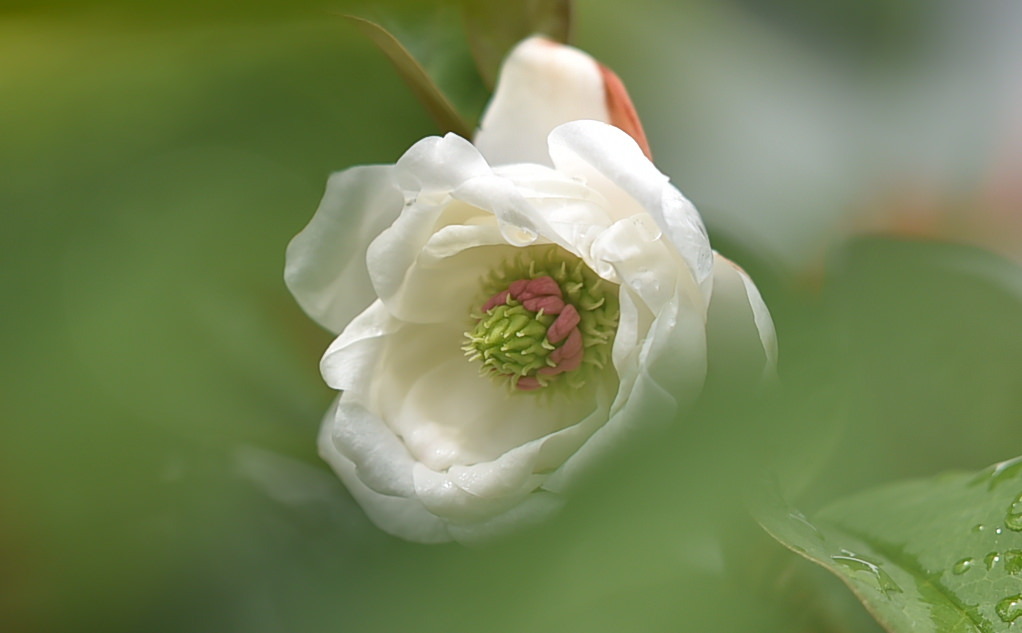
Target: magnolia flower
{"x": 511, "y": 308}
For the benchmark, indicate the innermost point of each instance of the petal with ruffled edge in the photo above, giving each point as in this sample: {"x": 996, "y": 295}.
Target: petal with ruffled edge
{"x": 406, "y": 516}
{"x": 402, "y": 516}
{"x": 610, "y": 161}
{"x": 326, "y": 267}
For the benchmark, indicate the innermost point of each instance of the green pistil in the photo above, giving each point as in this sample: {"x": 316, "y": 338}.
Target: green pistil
{"x": 511, "y": 341}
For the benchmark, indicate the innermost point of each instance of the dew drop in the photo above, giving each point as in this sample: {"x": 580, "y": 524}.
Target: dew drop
{"x": 1013, "y": 520}
{"x": 1010, "y": 608}
{"x": 962, "y": 566}
{"x": 979, "y": 528}
{"x": 998, "y": 531}
{"x": 854, "y": 562}
{"x": 991, "y": 560}
{"x": 519, "y": 235}
{"x": 646, "y": 226}
{"x": 1012, "y": 561}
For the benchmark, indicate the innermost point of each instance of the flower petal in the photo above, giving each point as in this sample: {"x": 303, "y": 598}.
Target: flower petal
{"x": 542, "y": 84}
{"x": 404, "y": 517}
{"x": 738, "y": 320}
{"x": 611, "y": 162}
{"x": 437, "y": 164}
{"x": 381, "y": 460}
{"x": 326, "y": 268}
{"x": 427, "y": 173}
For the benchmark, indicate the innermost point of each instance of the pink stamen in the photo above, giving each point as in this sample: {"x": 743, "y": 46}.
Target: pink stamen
{"x": 498, "y": 299}
{"x": 541, "y": 286}
{"x": 567, "y": 357}
{"x": 528, "y": 383}
{"x": 548, "y": 304}
{"x": 567, "y": 322}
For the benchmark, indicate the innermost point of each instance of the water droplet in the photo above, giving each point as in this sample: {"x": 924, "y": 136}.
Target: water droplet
{"x": 991, "y": 560}
{"x": 979, "y": 528}
{"x": 646, "y": 227}
{"x": 1009, "y": 609}
{"x": 1013, "y": 520}
{"x": 1012, "y": 561}
{"x": 857, "y": 563}
{"x": 518, "y": 235}
{"x": 962, "y": 566}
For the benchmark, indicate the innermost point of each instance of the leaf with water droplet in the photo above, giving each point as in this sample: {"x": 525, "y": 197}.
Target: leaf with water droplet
{"x": 1012, "y": 561}
{"x": 1009, "y": 609}
{"x": 1013, "y": 519}
{"x": 949, "y": 545}
{"x": 962, "y": 566}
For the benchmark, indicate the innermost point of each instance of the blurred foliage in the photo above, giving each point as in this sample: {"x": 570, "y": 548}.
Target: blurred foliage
{"x": 160, "y": 394}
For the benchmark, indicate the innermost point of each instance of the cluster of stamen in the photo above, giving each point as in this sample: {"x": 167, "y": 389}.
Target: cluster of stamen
{"x": 547, "y": 318}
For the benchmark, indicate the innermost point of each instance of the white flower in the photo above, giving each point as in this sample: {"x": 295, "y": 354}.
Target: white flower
{"x": 469, "y": 402}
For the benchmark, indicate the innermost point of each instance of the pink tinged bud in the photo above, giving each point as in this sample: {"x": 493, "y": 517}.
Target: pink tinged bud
{"x": 567, "y": 322}
{"x": 622, "y": 112}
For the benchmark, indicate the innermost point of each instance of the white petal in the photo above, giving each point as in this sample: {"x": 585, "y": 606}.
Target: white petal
{"x": 348, "y": 364}
{"x": 404, "y": 517}
{"x": 381, "y": 460}
{"x": 519, "y": 222}
{"x": 658, "y": 372}
{"x": 326, "y": 269}
{"x": 448, "y": 414}
{"x": 542, "y": 84}
{"x": 438, "y": 164}
{"x": 738, "y": 318}
{"x": 534, "y": 509}
{"x": 613, "y": 163}
{"x": 575, "y": 213}
{"x": 444, "y": 283}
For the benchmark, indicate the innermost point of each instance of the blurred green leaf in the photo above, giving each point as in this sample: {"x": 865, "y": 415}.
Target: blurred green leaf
{"x": 413, "y": 73}
{"x": 494, "y": 28}
{"x": 940, "y": 555}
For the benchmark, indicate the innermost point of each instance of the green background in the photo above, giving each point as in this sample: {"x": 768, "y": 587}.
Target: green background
{"x": 159, "y": 394}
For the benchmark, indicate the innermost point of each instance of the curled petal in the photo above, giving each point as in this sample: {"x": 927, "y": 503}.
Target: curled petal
{"x": 613, "y": 163}
{"x": 739, "y": 320}
{"x": 326, "y": 263}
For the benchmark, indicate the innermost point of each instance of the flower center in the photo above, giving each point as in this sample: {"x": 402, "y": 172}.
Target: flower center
{"x": 547, "y": 319}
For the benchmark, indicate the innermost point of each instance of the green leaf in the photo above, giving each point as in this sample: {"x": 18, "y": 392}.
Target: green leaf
{"x": 494, "y": 28}
{"x": 939, "y": 555}
{"x": 412, "y": 72}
